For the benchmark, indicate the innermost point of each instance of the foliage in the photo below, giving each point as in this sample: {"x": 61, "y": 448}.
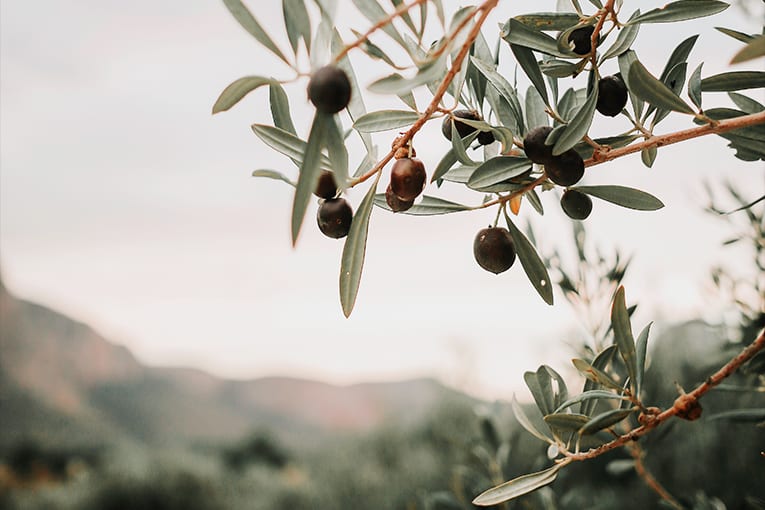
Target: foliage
{"x": 565, "y": 57}
{"x": 460, "y": 70}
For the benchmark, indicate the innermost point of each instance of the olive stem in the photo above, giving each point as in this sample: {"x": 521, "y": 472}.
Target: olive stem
{"x": 518, "y": 192}
{"x": 681, "y": 405}
{"x": 385, "y": 21}
{"x": 499, "y": 212}
{"x": 604, "y": 12}
{"x": 722, "y": 126}
{"x": 638, "y": 454}
{"x": 592, "y": 143}
{"x": 485, "y": 8}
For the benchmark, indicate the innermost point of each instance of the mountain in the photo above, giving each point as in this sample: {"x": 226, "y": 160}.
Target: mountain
{"x": 63, "y": 383}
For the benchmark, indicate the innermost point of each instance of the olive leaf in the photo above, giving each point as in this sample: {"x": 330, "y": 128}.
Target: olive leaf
{"x": 297, "y": 23}
{"x": 532, "y": 264}
{"x": 517, "y": 33}
{"x": 566, "y": 421}
{"x": 645, "y": 86}
{"x": 428, "y": 206}
{"x": 589, "y": 395}
{"x": 354, "y": 251}
{"x": 733, "y": 81}
{"x": 384, "y": 120}
{"x": 236, "y": 91}
{"x": 496, "y": 170}
{"x": 309, "y": 170}
{"x": 287, "y": 144}
{"x": 517, "y": 487}
{"x": 528, "y": 62}
{"x": 624, "y": 40}
{"x": 273, "y": 174}
{"x": 280, "y": 108}
{"x": 681, "y": 10}
{"x": 525, "y": 422}
{"x": 623, "y": 196}
{"x": 641, "y": 348}
{"x": 605, "y": 420}
{"x": 578, "y": 126}
{"x": 549, "y": 21}
{"x": 249, "y": 23}
{"x": 625, "y": 343}
{"x": 694, "y": 86}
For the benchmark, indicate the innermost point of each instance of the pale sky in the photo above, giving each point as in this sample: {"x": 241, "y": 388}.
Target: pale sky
{"x": 126, "y": 205}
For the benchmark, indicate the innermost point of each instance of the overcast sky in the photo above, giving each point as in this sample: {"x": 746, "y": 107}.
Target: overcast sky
{"x": 126, "y": 205}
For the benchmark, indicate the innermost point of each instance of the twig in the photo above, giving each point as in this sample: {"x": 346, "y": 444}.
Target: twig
{"x": 485, "y": 8}
{"x": 722, "y": 126}
{"x": 530, "y": 186}
{"x": 637, "y": 453}
{"x": 386, "y": 20}
{"x": 608, "y": 8}
{"x": 682, "y": 405}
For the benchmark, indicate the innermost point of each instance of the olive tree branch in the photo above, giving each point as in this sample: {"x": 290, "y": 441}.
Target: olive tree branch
{"x": 385, "y": 21}
{"x": 485, "y": 8}
{"x": 722, "y": 126}
{"x": 683, "y": 404}
{"x": 602, "y": 154}
{"x": 604, "y": 12}
{"x": 638, "y": 454}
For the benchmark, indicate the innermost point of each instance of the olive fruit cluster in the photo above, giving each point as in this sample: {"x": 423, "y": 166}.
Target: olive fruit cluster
{"x": 407, "y": 180}
{"x": 335, "y": 214}
{"x": 329, "y": 89}
{"x": 565, "y": 169}
{"x": 493, "y": 249}
{"x": 484, "y": 137}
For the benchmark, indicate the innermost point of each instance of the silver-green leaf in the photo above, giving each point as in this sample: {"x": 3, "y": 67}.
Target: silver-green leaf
{"x": 525, "y": 422}
{"x": 625, "y": 343}
{"x": 549, "y": 21}
{"x": 428, "y": 206}
{"x": 641, "y": 349}
{"x": 309, "y": 170}
{"x": 567, "y": 421}
{"x": 734, "y": 80}
{"x": 517, "y": 487}
{"x": 532, "y": 264}
{"x": 354, "y": 251}
{"x": 249, "y": 23}
{"x": 623, "y": 196}
{"x": 579, "y": 125}
{"x": 297, "y": 23}
{"x": 624, "y": 40}
{"x": 385, "y": 120}
{"x": 515, "y": 32}
{"x": 680, "y": 11}
{"x": 589, "y": 395}
{"x": 337, "y": 152}
{"x": 694, "y": 86}
{"x": 647, "y": 87}
{"x": 605, "y": 420}
{"x": 528, "y": 62}
{"x": 280, "y": 108}
{"x": 237, "y": 90}
{"x": 286, "y": 143}
{"x": 498, "y": 169}
{"x": 273, "y": 174}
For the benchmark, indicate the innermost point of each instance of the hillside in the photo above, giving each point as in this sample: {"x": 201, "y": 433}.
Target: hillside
{"x": 62, "y": 382}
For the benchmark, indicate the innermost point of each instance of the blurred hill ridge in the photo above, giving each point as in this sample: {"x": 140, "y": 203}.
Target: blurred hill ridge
{"x": 61, "y": 382}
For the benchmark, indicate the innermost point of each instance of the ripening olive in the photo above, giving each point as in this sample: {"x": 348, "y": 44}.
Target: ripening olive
{"x": 329, "y": 89}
